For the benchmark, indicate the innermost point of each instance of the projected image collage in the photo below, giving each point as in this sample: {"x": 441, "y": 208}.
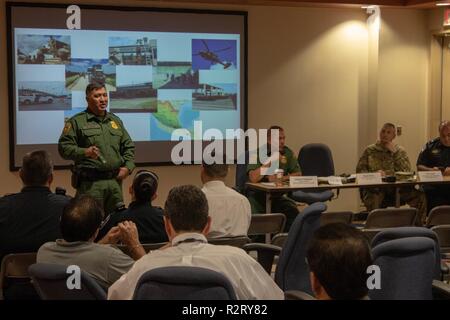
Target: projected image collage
{"x": 157, "y": 82}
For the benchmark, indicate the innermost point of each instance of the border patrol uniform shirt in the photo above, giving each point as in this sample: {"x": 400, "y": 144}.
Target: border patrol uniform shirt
{"x": 288, "y": 162}
{"x": 108, "y": 133}
{"x": 249, "y": 279}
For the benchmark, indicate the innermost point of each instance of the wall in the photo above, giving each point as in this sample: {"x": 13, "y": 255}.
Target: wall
{"x": 308, "y": 71}
{"x": 403, "y": 76}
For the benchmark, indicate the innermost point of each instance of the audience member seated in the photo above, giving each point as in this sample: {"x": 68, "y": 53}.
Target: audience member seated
{"x": 435, "y": 156}
{"x": 338, "y": 256}
{"x": 187, "y": 223}
{"x": 80, "y": 223}
{"x": 31, "y": 217}
{"x": 386, "y": 157}
{"x": 229, "y": 210}
{"x": 289, "y": 164}
{"x": 148, "y": 218}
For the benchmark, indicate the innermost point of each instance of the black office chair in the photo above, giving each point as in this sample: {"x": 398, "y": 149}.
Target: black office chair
{"x": 50, "y": 281}
{"x": 183, "y": 283}
{"x": 315, "y": 159}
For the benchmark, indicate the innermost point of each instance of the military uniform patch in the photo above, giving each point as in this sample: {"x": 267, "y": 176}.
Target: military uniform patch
{"x": 67, "y": 127}
{"x": 283, "y": 159}
{"x": 114, "y": 125}
{"x": 435, "y": 151}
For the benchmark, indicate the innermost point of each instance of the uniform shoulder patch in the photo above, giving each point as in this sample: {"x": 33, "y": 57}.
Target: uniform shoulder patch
{"x": 67, "y": 127}
{"x": 114, "y": 125}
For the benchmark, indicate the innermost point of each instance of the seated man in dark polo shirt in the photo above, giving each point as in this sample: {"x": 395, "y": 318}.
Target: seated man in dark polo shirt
{"x": 31, "y": 217}
{"x": 435, "y": 156}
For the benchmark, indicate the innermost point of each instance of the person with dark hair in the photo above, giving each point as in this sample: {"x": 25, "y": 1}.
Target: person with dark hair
{"x": 100, "y": 146}
{"x": 386, "y": 157}
{"x": 31, "y": 217}
{"x": 80, "y": 223}
{"x": 229, "y": 210}
{"x": 148, "y": 218}
{"x": 338, "y": 256}
{"x": 187, "y": 223}
{"x": 288, "y": 163}
{"x": 435, "y": 156}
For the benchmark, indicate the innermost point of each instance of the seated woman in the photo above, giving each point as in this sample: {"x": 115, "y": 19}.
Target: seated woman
{"x": 148, "y": 219}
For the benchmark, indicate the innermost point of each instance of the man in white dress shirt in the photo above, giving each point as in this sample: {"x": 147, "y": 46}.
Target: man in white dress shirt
{"x": 187, "y": 222}
{"x": 229, "y": 210}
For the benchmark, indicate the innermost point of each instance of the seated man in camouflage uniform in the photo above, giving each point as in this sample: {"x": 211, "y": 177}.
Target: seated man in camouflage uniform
{"x": 387, "y": 158}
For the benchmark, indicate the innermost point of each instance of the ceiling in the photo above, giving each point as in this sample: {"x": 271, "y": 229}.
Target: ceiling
{"x": 328, "y": 3}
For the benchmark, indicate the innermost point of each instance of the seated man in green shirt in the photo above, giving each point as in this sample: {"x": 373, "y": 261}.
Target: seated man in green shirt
{"x": 288, "y": 163}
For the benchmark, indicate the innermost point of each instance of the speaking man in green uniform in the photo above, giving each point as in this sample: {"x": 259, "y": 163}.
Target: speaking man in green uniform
{"x": 101, "y": 148}
{"x": 386, "y": 157}
{"x": 288, "y": 163}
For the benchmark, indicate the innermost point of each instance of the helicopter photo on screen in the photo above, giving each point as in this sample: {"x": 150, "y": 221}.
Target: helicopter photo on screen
{"x": 210, "y": 54}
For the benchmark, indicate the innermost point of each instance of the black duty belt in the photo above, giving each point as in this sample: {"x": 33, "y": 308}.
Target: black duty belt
{"x": 90, "y": 174}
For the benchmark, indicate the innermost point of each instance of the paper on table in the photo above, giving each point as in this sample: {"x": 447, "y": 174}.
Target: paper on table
{"x": 269, "y": 184}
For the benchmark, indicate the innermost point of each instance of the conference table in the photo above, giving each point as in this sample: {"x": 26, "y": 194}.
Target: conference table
{"x": 271, "y": 190}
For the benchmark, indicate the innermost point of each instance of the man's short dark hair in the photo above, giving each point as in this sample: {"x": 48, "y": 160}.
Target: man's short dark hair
{"x": 338, "y": 255}
{"x": 269, "y": 131}
{"x": 94, "y": 86}
{"x": 37, "y": 168}
{"x": 187, "y": 208}
{"x": 216, "y": 170}
{"x": 145, "y": 184}
{"x": 81, "y": 218}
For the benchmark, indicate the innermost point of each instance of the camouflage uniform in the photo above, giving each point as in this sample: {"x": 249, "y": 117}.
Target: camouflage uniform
{"x": 376, "y": 157}
{"x": 288, "y": 162}
{"x": 116, "y": 147}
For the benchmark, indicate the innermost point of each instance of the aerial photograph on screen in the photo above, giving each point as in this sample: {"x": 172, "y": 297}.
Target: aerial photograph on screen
{"x": 43, "y": 95}
{"x": 81, "y": 72}
{"x": 43, "y": 49}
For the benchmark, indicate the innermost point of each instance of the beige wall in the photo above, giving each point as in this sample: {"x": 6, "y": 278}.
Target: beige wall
{"x": 403, "y": 76}
{"x": 308, "y": 71}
